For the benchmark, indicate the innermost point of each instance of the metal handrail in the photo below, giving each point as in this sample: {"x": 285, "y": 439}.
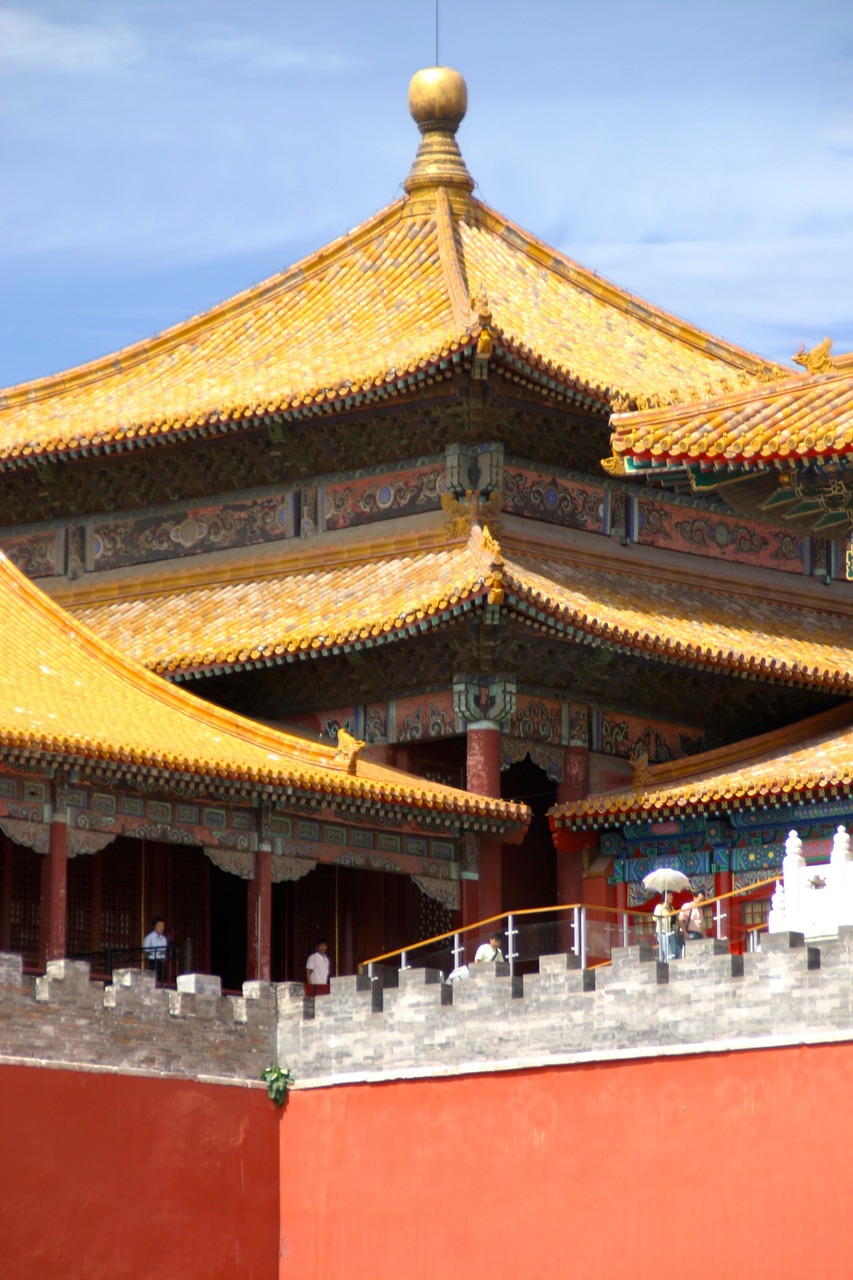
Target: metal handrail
{"x": 579, "y": 910}
{"x": 176, "y": 957}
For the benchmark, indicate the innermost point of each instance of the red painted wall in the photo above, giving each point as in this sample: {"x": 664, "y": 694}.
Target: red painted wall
{"x": 110, "y": 1177}
{"x": 735, "y": 1164}
{"x": 729, "y": 1164}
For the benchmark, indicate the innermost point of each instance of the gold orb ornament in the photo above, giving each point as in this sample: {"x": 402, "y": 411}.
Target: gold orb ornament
{"x": 438, "y": 95}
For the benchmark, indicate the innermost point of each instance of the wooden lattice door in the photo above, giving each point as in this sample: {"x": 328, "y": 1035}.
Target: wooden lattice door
{"x": 20, "y": 899}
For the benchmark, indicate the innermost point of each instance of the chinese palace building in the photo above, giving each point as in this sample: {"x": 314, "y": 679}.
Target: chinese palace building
{"x": 377, "y": 496}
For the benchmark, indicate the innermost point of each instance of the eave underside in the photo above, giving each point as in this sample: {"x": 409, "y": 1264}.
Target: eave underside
{"x": 282, "y": 454}
{"x": 726, "y": 706}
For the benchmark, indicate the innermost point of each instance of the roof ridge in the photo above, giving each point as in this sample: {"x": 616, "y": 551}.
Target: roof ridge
{"x": 451, "y": 261}
{"x": 138, "y": 675}
{"x": 600, "y": 286}
{"x": 792, "y": 385}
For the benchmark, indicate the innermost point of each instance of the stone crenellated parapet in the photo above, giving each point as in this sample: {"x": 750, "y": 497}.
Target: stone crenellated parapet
{"x": 708, "y": 1001}
{"x": 133, "y": 1025}
{"x": 410, "y": 1022}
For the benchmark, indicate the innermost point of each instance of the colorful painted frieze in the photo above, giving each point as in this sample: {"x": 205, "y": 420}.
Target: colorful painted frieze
{"x": 366, "y": 499}
{"x": 630, "y": 737}
{"x": 555, "y": 499}
{"x": 424, "y": 716}
{"x": 719, "y": 537}
{"x": 116, "y": 543}
{"x": 38, "y": 555}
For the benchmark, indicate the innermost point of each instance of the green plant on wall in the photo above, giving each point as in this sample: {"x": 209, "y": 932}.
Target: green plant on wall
{"x": 278, "y": 1080}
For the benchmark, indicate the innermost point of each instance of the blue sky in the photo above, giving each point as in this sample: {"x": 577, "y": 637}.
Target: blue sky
{"x": 159, "y": 155}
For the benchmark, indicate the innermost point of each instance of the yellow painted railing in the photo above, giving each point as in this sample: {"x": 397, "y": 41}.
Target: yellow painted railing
{"x": 582, "y": 914}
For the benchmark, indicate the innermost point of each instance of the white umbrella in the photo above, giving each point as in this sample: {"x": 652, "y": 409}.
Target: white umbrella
{"x": 666, "y": 880}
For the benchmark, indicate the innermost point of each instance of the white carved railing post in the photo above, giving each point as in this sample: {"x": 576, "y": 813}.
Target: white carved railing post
{"x": 793, "y": 866}
{"x": 838, "y": 879}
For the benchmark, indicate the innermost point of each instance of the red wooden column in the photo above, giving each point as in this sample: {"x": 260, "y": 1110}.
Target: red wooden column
{"x": 259, "y": 907}
{"x": 54, "y": 883}
{"x": 483, "y": 703}
{"x": 724, "y": 882}
{"x": 575, "y": 786}
{"x": 483, "y": 776}
{"x": 259, "y": 933}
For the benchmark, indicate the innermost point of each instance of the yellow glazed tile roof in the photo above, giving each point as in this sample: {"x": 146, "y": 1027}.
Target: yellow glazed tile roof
{"x": 281, "y": 615}
{"x": 581, "y": 322}
{"x": 801, "y": 418}
{"x": 380, "y": 312}
{"x": 812, "y": 760}
{"x": 66, "y": 694}
{"x": 368, "y": 307}
{"x": 693, "y": 625}
{"x": 296, "y": 612}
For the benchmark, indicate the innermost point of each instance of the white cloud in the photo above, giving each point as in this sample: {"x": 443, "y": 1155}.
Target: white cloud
{"x": 32, "y": 43}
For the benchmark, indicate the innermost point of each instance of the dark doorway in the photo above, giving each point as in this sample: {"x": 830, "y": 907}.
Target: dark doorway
{"x": 228, "y": 938}
{"x": 360, "y": 913}
{"x": 529, "y": 869}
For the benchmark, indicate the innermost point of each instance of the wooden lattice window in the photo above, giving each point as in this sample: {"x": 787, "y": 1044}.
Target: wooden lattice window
{"x": 121, "y": 919}
{"x": 81, "y": 890}
{"x": 189, "y": 903}
{"x": 434, "y": 918}
{"x": 22, "y": 907}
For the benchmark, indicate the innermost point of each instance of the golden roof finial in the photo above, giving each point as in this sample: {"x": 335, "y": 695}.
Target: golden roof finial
{"x": 438, "y": 100}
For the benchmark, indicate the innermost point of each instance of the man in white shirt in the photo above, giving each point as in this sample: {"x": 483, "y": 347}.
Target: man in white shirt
{"x": 317, "y": 968}
{"x": 490, "y": 951}
{"x": 156, "y": 947}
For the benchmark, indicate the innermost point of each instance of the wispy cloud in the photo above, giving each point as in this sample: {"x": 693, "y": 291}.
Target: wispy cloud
{"x": 30, "y": 42}
{"x": 252, "y": 53}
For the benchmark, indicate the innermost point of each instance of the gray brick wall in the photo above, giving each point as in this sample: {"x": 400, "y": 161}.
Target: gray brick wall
{"x": 635, "y": 1007}
{"x": 133, "y": 1025}
{"x": 411, "y": 1023}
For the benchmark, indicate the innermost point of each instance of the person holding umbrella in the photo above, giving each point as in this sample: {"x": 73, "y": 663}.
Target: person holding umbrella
{"x": 666, "y": 880}
{"x": 664, "y": 914}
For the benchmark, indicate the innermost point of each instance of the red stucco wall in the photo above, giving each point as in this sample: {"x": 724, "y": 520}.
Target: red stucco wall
{"x": 105, "y": 1177}
{"x": 732, "y": 1164}
{"x": 724, "y": 1165}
